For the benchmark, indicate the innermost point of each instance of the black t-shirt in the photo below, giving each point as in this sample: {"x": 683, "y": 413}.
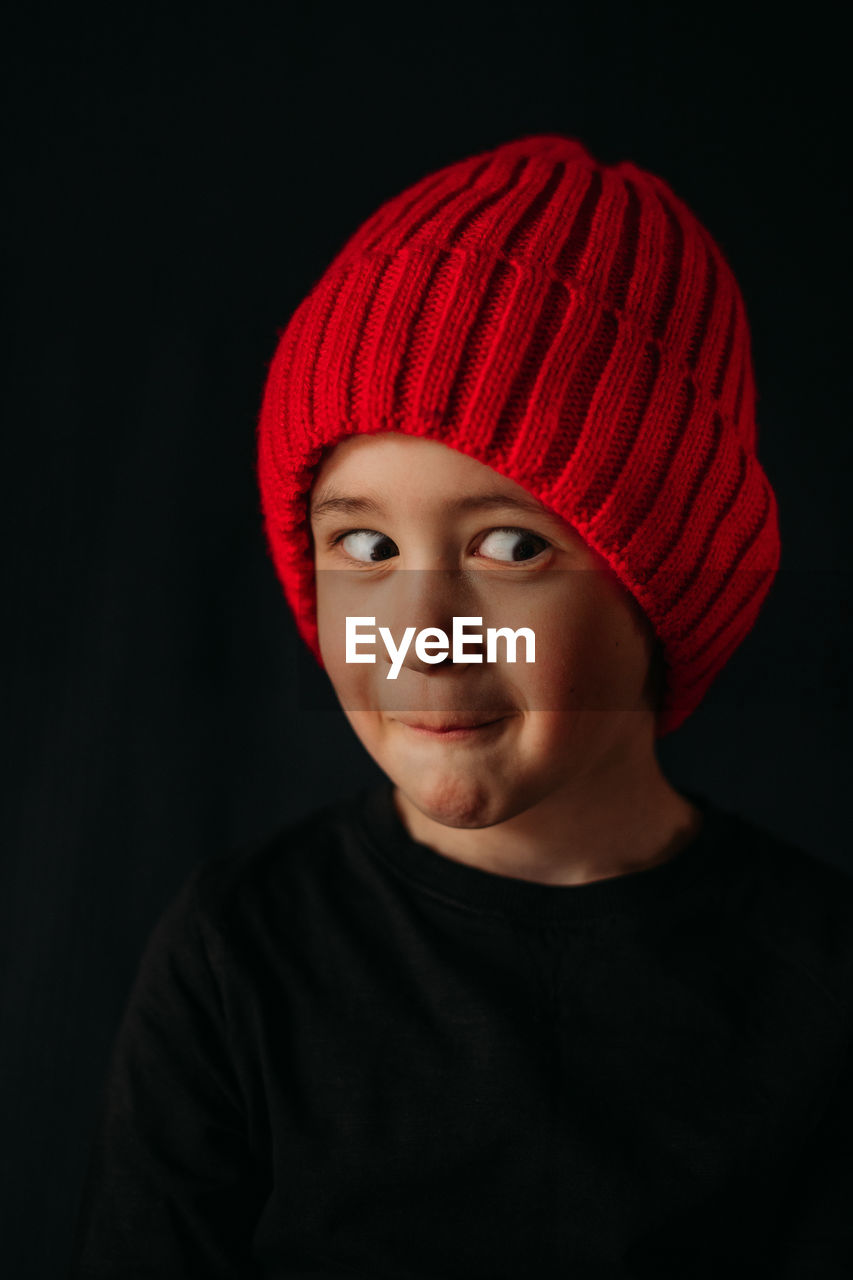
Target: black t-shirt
{"x": 346, "y": 1054}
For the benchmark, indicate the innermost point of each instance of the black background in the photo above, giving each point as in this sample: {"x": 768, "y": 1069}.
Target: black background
{"x": 178, "y": 179}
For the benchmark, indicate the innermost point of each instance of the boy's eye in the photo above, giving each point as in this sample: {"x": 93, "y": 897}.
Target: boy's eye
{"x": 505, "y": 544}
{"x": 512, "y": 544}
{"x": 361, "y": 544}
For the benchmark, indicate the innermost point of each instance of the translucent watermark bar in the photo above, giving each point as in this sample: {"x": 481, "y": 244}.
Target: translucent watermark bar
{"x": 591, "y": 640}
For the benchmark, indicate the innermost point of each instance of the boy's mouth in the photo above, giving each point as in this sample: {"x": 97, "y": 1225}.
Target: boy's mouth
{"x": 449, "y": 726}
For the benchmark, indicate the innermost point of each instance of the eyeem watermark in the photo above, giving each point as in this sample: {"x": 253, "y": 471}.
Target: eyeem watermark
{"x": 432, "y": 644}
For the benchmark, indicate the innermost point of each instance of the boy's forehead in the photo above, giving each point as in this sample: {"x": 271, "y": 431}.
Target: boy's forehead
{"x": 393, "y": 445}
{"x": 378, "y": 476}
{"x": 393, "y": 462}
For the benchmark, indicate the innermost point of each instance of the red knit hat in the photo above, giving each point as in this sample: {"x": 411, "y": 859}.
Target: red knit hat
{"x": 574, "y": 327}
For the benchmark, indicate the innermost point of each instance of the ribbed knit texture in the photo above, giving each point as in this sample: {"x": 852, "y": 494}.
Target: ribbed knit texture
{"x": 573, "y": 326}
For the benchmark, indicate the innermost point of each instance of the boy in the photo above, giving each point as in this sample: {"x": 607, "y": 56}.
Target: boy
{"x": 523, "y": 1009}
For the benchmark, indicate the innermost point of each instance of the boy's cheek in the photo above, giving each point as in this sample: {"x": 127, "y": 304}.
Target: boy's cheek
{"x": 594, "y": 659}
{"x": 334, "y": 600}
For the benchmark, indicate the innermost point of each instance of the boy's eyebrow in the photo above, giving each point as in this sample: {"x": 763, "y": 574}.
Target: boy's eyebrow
{"x": 329, "y": 501}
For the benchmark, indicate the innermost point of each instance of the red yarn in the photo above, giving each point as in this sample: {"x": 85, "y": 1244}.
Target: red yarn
{"x": 573, "y": 326}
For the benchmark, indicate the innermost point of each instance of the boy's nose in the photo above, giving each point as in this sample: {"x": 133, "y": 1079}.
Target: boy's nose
{"x": 430, "y": 599}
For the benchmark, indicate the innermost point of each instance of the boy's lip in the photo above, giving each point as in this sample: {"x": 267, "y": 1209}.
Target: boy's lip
{"x": 448, "y": 723}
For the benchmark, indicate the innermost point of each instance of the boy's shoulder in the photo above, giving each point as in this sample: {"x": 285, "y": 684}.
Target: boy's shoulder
{"x": 788, "y": 900}
{"x": 282, "y": 869}
{"x": 786, "y": 866}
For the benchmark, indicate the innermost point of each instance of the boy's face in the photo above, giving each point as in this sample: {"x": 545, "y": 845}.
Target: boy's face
{"x": 419, "y": 533}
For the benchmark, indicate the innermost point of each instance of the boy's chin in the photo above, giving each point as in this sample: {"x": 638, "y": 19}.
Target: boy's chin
{"x": 454, "y": 797}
